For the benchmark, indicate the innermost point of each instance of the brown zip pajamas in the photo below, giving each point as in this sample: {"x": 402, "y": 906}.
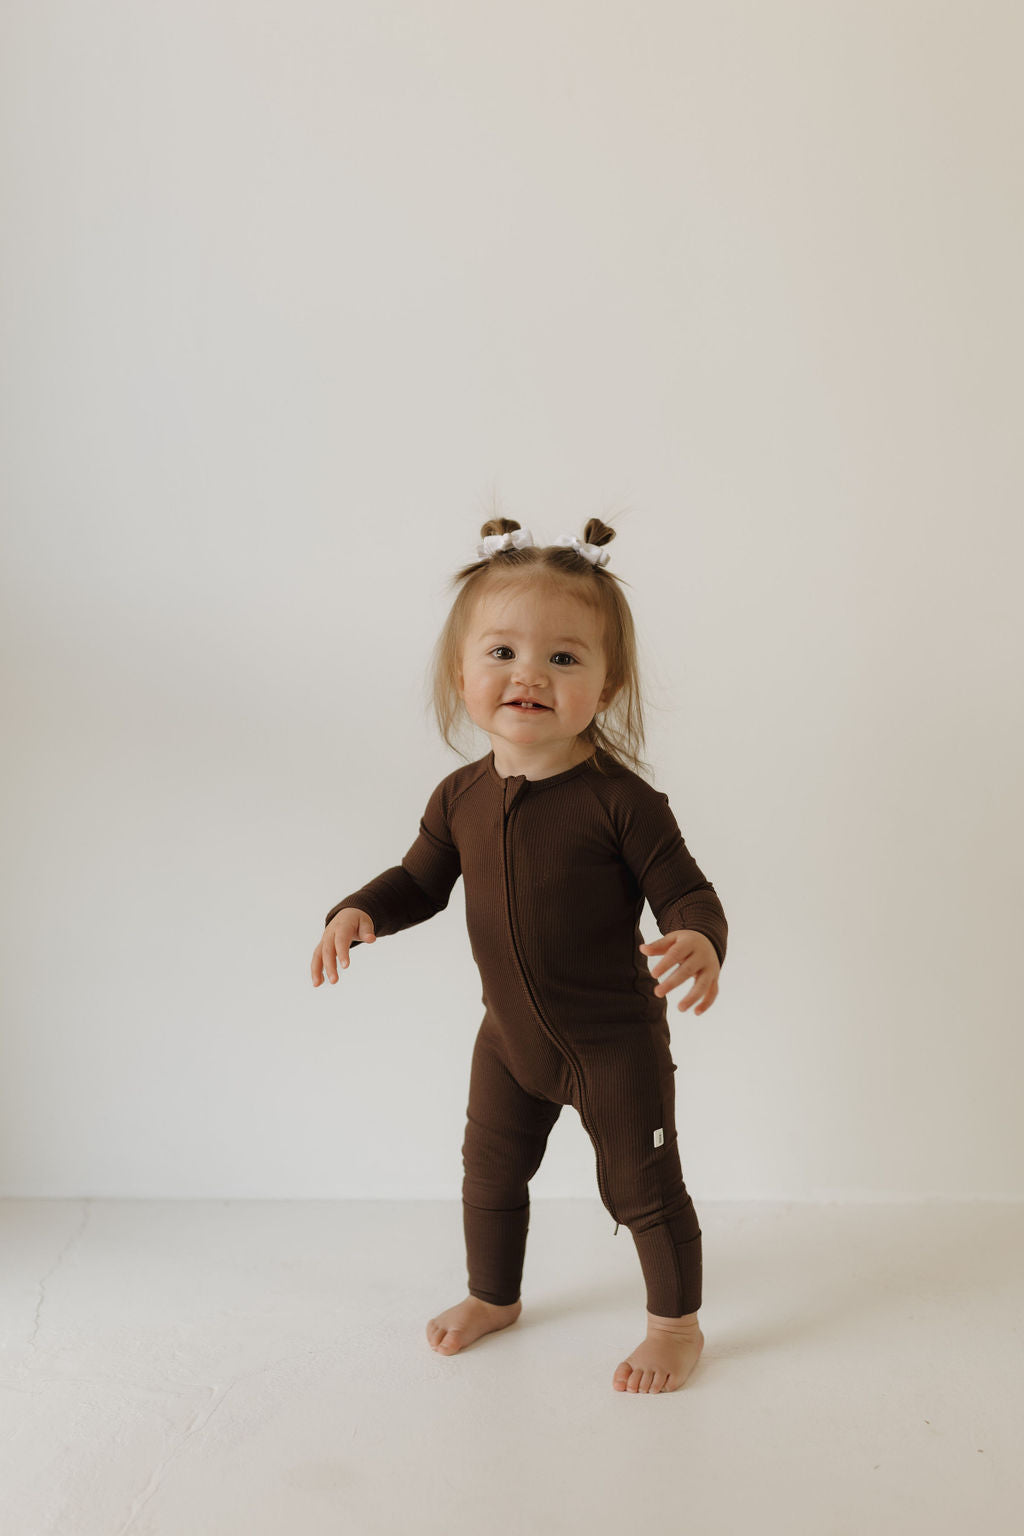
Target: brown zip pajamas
{"x": 556, "y": 873}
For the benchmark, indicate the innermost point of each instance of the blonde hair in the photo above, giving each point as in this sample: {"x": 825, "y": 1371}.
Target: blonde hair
{"x": 618, "y": 730}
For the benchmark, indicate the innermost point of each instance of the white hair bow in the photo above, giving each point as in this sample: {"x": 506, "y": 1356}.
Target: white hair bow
{"x": 519, "y": 538}
{"x": 592, "y": 552}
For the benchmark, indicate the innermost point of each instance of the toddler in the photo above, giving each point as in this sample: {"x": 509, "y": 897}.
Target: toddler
{"x": 559, "y": 841}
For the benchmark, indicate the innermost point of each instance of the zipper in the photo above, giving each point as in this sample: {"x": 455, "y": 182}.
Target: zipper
{"x": 552, "y": 1035}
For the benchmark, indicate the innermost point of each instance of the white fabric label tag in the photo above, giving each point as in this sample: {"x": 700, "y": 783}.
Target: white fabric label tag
{"x": 659, "y": 1136}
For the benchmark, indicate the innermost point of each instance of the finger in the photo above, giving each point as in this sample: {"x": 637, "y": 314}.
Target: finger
{"x": 666, "y": 966}
{"x": 331, "y": 961}
{"x": 656, "y": 944}
{"x": 681, "y": 974}
{"x": 697, "y": 991}
{"x": 713, "y": 993}
{"x": 316, "y": 968}
{"x": 340, "y": 956}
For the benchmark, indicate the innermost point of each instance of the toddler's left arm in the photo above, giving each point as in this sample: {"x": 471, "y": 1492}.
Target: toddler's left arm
{"x": 686, "y": 907}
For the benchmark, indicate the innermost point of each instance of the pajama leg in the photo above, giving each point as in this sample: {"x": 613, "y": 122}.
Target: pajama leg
{"x": 506, "y": 1134}
{"x": 629, "y": 1099}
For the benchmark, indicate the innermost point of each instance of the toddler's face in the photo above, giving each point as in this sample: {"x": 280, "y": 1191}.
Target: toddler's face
{"x": 535, "y": 645}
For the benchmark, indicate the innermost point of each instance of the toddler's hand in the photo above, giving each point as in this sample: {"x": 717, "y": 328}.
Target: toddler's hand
{"x": 350, "y": 923}
{"x": 695, "y": 956}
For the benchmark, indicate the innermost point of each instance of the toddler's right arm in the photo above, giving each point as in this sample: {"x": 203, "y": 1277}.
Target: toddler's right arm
{"x": 410, "y": 892}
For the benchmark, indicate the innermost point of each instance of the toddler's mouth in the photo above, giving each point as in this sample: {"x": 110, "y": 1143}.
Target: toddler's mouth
{"x": 520, "y": 704}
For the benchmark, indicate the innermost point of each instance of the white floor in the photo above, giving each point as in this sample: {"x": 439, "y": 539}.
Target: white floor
{"x": 181, "y": 1368}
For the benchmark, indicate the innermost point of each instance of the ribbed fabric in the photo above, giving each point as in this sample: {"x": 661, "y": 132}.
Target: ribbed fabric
{"x": 556, "y": 873}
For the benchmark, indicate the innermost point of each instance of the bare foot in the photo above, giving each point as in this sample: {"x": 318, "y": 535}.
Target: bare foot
{"x": 664, "y": 1359}
{"x": 452, "y": 1330}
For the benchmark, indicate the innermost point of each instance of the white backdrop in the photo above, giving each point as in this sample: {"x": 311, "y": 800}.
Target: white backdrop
{"x": 289, "y": 293}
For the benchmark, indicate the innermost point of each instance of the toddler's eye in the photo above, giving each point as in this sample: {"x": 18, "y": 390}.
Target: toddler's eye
{"x": 566, "y": 655}
{"x": 500, "y": 648}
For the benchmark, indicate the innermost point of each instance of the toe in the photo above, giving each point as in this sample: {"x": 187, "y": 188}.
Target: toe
{"x": 623, "y": 1371}
{"x": 451, "y": 1342}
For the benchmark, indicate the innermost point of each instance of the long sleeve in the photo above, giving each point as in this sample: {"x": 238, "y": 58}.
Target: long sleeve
{"x": 419, "y": 887}
{"x": 666, "y": 871}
